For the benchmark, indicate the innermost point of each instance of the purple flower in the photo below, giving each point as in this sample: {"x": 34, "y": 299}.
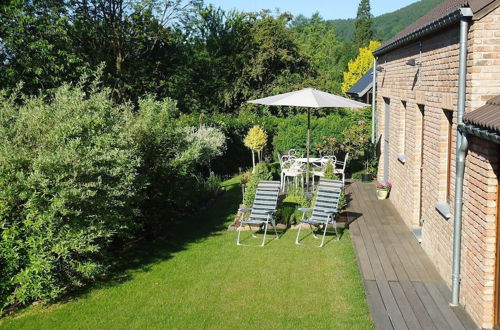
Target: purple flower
{"x": 361, "y": 122}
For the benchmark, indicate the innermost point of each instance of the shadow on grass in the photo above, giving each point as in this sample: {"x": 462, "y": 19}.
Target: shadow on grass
{"x": 330, "y": 236}
{"x": 142, "y": 255}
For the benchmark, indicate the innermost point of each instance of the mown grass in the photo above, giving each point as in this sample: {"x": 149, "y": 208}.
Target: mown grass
{"x": 199, "y": 278}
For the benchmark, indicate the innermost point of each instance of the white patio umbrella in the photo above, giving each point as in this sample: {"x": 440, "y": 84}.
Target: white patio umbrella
{"x": 309, "y": 98}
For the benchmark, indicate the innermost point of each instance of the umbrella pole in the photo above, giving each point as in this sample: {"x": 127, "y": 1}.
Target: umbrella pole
{"x": 307, "y": 147}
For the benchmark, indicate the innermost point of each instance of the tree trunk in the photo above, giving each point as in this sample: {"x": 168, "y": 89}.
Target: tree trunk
{"x": 253, "y": 161}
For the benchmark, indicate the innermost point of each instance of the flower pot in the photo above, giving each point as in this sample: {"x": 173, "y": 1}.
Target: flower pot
{"x": 366, "y": 177}
{"x": 382, "y": 193}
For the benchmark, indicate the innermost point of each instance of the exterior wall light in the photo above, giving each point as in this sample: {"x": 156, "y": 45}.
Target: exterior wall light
{"x": 412, "y": 62}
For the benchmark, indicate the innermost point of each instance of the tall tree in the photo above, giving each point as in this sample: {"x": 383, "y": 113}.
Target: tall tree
{"x": 135, "y": 38}
{"x": 363, "y": 30}
{"x": 36, "y": 47}
{"x": 328, "y": 55}
{"x": 359, "y": 66}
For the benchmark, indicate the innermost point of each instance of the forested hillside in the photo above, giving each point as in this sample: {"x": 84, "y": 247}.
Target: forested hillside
{"x": 387, "y": 25}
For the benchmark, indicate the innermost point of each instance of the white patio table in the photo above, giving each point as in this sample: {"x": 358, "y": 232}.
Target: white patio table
{"x": 311, "y": 160}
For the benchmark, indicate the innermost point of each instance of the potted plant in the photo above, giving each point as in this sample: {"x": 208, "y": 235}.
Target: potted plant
{"x": 383, "y": 190}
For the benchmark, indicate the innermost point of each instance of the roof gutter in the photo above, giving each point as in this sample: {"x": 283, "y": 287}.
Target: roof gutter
{"x": 461, "y": 152}
{"x": 439, "y": 24}
{"x": 483, "y": 133}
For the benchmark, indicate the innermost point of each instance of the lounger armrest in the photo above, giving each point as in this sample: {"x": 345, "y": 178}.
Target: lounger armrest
{"x": 245, "y": 210}
{"x": 305, "y": 209}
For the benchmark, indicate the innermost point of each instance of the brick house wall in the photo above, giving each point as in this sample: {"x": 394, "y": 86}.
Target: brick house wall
{"x": 422, "y": 104}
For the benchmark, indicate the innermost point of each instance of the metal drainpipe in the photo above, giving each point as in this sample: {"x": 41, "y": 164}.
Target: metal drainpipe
{"x": 461, "y": 150}
{"x": 374, "y": 97}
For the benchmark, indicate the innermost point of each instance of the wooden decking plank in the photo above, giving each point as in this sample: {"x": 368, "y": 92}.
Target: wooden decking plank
{"x": 416, "y": 269}
{"x": 381, "y": 279}
{"x": 388, "y": 299}
{"x": 444, "y": 307}
{"x": 380, "y": 249}
{"x": 378, "y": 312}
{"x": 410, "y": 293}
{"x": 361, "y": 251}
{"x": 431, "y": 306}
{"x": 396, "y": 230}
{"x": 392, "y": 310}
{"x": 362, "y": 254}
{"x": 419, "y": 309}
{"x": 458, "y": 310}
{"x": 404, "y": 306}
{"x": 390, "y": 305}
{"x": 399, "y": 251}
{"x": 407, "y": 289}
{"x": 427, "y": 271}
{"x": 371, "y": 251}
{"x": 464, "y": 317}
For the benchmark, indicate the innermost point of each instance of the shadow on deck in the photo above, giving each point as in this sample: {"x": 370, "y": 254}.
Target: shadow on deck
{"x": 403, "y": 288}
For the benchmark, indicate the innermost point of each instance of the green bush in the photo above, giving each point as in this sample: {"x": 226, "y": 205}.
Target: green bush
{"x": 79, "y": 172}
{"x": 172, "y": 155}
{"x": 68, "y": 188}
{"x": 261, "y": 173}
{"x": 292, "y": 132}
{"x": 235, "y": 128}
{"x": 289, "y": 210}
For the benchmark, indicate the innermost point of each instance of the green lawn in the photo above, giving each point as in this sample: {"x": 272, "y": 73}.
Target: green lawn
{"x": 201, "y": 279}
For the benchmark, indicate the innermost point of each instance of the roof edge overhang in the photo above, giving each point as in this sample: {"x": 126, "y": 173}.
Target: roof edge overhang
{"x": 436, "y": 25}
{"x": 366, "y": 90}
{"x": 363, "y": 92}
{"x": 481, "y": 132}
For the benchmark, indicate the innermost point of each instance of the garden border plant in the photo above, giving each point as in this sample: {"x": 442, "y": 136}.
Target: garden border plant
{"x": 80, "y": 174}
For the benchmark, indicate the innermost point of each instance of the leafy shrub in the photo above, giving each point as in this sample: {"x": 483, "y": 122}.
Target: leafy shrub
{"x": 288, "y": 210}
{"x": 171, "y": 154}
{"x": 68, "y": 188}
{"x": 206, "y": 144}
{"x": 78, "y": 173}
{"x": 275, "y": 169}
{"x": 292, "y": 132}
{"x": 261, "y": 173}
{"x": 245, "y": 177}
{"x": 235, "y": 129}
{"x": 330, "y": 172}
{"x": 212, "y": 184}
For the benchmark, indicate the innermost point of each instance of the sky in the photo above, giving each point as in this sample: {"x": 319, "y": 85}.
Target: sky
{"x": 328, "y": 9}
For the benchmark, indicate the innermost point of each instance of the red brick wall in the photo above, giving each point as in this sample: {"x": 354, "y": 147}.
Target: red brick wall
{"x": 433, "y": 85}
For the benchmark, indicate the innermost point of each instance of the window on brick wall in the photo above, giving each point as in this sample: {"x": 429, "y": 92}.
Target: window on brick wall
{"x": 449, "y": 148}
{"x": 402, "y": 128}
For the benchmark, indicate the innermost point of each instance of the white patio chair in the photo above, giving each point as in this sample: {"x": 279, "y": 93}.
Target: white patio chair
{"x": 341, "y": 166}
{"x": 324, "y": 212}
{"x": 291, "y": 169}
{"x": 292, "y": 153}
{"x": 318, "y": 169}
{"x": 262, "y": 211}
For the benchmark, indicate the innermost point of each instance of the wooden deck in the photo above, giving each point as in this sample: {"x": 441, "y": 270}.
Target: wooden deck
{"x": 403, "y": 288}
